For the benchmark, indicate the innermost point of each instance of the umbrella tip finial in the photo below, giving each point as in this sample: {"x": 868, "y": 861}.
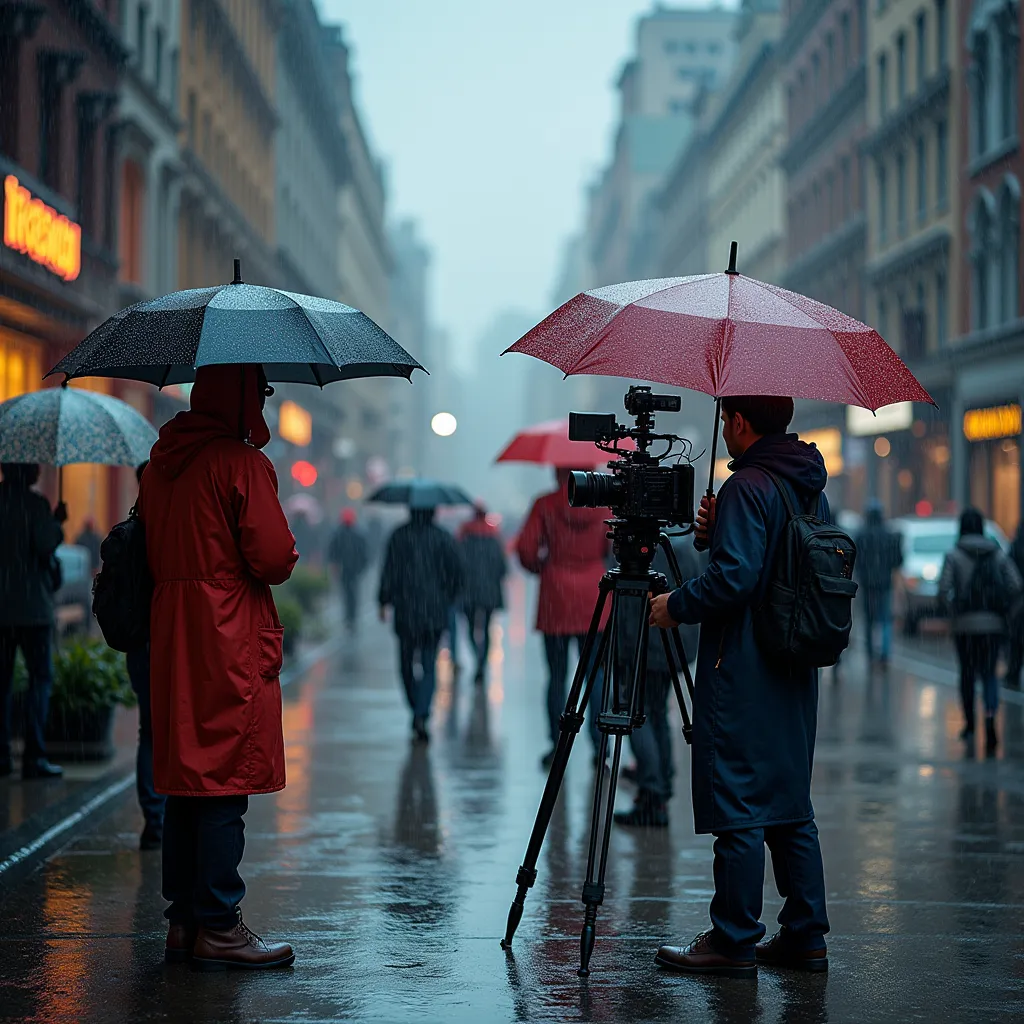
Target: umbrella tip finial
{"x": 238, "y": 272}
{"x": 732, "y": 259}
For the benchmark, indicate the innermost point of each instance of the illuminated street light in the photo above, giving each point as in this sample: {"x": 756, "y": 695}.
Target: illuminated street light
{"x": 444, "y": 424}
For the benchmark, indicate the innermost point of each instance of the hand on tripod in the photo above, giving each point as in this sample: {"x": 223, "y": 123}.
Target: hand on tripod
{"x": 660, "y": 616}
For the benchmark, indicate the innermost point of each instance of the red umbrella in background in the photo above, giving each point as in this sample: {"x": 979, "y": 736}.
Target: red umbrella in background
{"x": 723, "y": 334}
{"x": 548, "y": 444}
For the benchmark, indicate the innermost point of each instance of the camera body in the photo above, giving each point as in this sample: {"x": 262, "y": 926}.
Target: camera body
{"x": 637, "y": 487}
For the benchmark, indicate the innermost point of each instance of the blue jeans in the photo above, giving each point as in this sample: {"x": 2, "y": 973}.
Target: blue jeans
{"x": 418, "y": 652}
{"x": 204, "y": 839}
{"x": 36, "y": 647}
{"x": 878, "y": 610}
{"x": 739, "y": 888}
{"x": 556, "y": 649}
{"x": 652, "y": 743}
{"x": 150, "y": 801}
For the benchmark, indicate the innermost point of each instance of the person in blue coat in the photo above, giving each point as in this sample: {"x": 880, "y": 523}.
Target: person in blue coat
{"x": 753, "y": 720}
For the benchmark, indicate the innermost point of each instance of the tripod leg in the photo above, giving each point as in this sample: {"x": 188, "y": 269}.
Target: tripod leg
{"x": 575, "y": 709}
{"x": 674, "y": 675}
{"x": 593, "y": 888}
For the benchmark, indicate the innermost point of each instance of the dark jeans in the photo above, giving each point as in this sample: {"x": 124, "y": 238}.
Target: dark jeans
{"x": 977, "y": 653}
{"x": 419, "y": 652}
{"x": 878, "y": 611}
{"x": 204, "y": 838}
{"x": 478, "y": 623}
{"x": 36, "y": 648}
{"x": 739, "y": 887}
{"x": 556, "y": 649}
{"x": 350, "y": 598}
{"x": 150, "y": 801}
{"x": 652, "y": 744}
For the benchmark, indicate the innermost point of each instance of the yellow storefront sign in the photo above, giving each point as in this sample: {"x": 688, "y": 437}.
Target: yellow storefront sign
{"x": 994, "y": 422}
{"x": 40, "y": 232}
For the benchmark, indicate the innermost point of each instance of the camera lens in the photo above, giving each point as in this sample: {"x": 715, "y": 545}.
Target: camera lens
{"x": 593, "y": 490}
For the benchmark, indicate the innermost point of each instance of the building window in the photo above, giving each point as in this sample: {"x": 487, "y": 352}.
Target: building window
{"x": 901, "y": 194}
{"x": 922, "y": 180}
{"x": 942, "y": 33}
{"x": 51, "y": 82}
{"x": 941, "y": 168}
{"x": 983, "y": 258}
{"x": 883, "y": 86}
{"x": 131, "y": 226}
{"x": 862, "y": 27}
{"x": 173, "y": 76}
{"x": 158, "y": 58}
{"x": 883, "y": 204}
{"x": 901, "y": 68}
{"x": 140, "y": 37}
{"x": 980, "y": 77}
{"x": 941, "y": 323}
{"x": 920, "y": 27}
{"x": 192, "y": 121}
{"x": 1009, "y": 57}
{"x": 1009, "y": 246}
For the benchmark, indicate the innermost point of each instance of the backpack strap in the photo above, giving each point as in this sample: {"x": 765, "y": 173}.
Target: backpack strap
{"x": 787, "y": 497}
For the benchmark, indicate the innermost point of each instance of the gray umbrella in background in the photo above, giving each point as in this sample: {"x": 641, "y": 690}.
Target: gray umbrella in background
{"x": 299, "y": 339}
{"x": 417, "y": 493}
{"x": 61, "y": 426}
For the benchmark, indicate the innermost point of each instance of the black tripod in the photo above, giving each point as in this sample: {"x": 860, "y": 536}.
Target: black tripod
{"x": 622, "y": 708}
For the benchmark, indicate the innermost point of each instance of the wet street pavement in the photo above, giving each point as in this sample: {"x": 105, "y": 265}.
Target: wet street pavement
{"x": 391, "y": 867}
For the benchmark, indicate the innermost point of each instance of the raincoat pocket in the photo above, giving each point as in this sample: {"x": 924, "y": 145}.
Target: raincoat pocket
{"x": 271, "y": 639}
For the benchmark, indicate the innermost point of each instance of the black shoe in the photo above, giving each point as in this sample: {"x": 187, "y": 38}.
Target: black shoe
{"x": 991, "y": 739}
{"x": 647, "y": 812}
{"x": 419, "y": 730}
{"x": 40, "y": 768}
{"x": 547, "y": 760}
{"x": 152, "y": 838}
{"x": 778, "y": 952}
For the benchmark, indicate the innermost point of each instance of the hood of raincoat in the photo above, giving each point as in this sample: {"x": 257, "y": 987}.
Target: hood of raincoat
{"x": 975, "y": 544}
{"x": 225, "y": 402}
{"x": 798, "y": 463}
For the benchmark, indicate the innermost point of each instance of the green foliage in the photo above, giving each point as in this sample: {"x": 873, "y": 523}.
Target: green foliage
{"x": 88, "y": 675}
{"x": 307, "y": 586}
{"x": 290, "y": 612}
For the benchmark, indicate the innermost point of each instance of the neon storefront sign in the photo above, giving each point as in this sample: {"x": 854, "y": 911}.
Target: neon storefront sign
{"x": 45, "y": 236}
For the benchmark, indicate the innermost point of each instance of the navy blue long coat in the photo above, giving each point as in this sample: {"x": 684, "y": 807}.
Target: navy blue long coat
{"x": 753, "y": 723}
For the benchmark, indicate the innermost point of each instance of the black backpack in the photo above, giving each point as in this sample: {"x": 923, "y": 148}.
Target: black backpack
{"x": 986, "y": 591}
{"x": 805, "y": 617}
{"x": 123, "y": 588}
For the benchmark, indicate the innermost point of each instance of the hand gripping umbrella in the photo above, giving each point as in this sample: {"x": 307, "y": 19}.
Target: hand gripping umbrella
{"x": 296, "y": 338}
{"x": 61, "y": 426}
{"x": 723, "y": 334}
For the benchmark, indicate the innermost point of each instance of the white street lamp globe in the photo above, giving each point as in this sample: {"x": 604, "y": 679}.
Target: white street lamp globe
{"x": 443, "y": 424}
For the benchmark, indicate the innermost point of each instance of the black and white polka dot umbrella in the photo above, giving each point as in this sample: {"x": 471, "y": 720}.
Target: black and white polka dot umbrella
{"x": 297, "y": 338}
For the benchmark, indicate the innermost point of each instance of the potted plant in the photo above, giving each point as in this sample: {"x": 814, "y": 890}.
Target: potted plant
{"x": 308, "y": 586}
{"x": 89, "y": 682}
{"x": 290, "y": 613}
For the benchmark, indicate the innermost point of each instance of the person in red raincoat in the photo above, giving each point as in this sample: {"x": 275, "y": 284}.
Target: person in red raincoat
{"x": 568, "y": 548}
{"x": 216, "y": 539}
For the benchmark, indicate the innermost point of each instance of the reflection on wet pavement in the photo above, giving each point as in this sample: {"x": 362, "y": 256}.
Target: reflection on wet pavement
{"x": 391, "y": 868}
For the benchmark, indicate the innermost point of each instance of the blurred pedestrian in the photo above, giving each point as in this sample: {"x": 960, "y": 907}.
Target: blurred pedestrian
{"x": 483, "y": 560}
{"x": 29, "y": 576}
{"x": 568, "y": 548}
{"x": 1015, "y": 623}
{"x": 348, "y": 556}
{"x": 652, "y": 742}
{"x": 980, "y": 589}
{"x": 420, "y": 582}
{"x": 151, "y": 803}
{"x": 879, "y": 555}
{"x": 217, "y": 539}
{"x": 754, "y": 719}
{"x": 89, "y": 539}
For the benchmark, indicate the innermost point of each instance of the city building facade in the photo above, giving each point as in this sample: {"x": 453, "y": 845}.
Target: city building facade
{"x": 60, "y": 65}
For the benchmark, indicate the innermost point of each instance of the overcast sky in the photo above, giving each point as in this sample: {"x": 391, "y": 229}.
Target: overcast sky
{"x": 492, "y": 116}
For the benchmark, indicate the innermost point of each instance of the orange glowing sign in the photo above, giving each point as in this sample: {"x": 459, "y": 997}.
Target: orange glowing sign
{"x": 40, "y": 232}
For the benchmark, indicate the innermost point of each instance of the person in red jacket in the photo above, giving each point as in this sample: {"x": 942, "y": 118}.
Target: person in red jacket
{"x": 568, "y": 548}
{"x": 216, "y": 539}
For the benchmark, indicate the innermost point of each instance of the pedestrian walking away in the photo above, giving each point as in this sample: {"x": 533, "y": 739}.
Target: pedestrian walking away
{"x": 754, "y": 717}
{"x": 216, "y": 539}
{"x": 652, "y": 742}
{"x": 420, "y": 581}
{"x": 89, "y": 539}
{"x": 485, "y": 568}
{"x": 29, "y": 575}
{"x": 879, "y": 555}
{"x": 348, "y": 556}
{"x": 568, "y": 548}
{"x": 980, "y": 589}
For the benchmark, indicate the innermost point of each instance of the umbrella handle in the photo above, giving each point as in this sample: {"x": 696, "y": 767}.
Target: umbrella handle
{"x": 711, "y": 471}
{"x": 60, "y": 485}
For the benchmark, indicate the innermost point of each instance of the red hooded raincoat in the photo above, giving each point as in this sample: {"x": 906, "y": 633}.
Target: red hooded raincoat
{"x": 217, "y": 538}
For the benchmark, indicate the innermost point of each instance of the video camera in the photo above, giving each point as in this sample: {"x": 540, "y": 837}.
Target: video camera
{"x": 638, "y": 487}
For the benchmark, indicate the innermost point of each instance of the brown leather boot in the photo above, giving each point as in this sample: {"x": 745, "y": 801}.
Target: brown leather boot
{"x": 700, "y": 957}
{"x": 778, "y": 951}
{"x": 180, "y": 940}
{"x": 238, "y": 948}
